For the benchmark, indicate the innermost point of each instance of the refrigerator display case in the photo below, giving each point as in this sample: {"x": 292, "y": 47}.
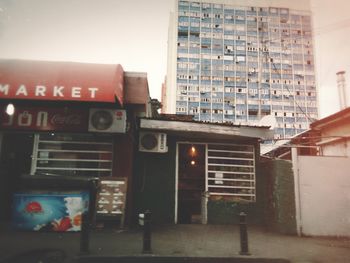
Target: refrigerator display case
{"x": 49, "y": 211}
{"x": 53, "y": 203}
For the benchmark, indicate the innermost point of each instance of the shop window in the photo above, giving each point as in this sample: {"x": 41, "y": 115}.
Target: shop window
{"x": 72, "y": 155}
{"x": 231, "y": 171}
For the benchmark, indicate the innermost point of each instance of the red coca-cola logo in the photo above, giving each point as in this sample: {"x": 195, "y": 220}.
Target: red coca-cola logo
{"x": 59, "y": 119}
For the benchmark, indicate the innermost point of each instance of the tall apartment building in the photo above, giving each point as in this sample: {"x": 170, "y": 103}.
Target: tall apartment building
{"x": 238, "y": 61}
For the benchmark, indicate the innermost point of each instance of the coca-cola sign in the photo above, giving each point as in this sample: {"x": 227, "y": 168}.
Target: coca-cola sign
{"x": 45, "y": 119}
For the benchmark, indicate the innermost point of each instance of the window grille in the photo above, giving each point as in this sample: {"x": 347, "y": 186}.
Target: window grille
{"x": 72, "y": 154}
{"x": 231, "y": 171}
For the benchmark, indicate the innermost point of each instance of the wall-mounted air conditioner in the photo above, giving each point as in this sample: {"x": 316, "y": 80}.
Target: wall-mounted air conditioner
{"x": 153, "y": 142}
{"x": 107, "y": 120}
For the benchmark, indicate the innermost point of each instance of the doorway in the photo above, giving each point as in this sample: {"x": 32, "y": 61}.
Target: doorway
{"x": 191, "y": 182}
{"x": 15, "y": 160}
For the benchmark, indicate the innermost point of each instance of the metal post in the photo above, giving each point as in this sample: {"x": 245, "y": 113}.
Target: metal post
{"x": 243, "y": 234}
{"x": 85, "y": 233}
{"x": 88, "y": 217}
{"x": 147, "y": 233}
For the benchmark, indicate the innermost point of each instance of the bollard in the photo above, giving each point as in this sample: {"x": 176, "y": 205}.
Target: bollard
{"x": 87, "y": 217}
{"x": 147, "y": 233}
{"x": 85, "y": 233}
{"x": 243, "y": 234}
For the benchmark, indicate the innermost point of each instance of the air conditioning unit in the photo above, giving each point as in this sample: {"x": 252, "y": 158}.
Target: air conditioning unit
{"x": 107, "y": 120}
{"x": 153, "y": 142}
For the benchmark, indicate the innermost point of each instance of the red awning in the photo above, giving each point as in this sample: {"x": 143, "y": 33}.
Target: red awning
{"x": 61, "y": 81}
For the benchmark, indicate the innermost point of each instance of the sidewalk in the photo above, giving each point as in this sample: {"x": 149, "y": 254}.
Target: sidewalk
{"x": 182, "y": 241}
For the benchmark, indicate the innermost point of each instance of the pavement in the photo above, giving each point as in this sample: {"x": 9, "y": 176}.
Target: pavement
{"x": 171, "y": 243}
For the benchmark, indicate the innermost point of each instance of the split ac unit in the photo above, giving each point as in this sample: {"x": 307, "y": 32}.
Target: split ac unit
{"x": 107, "y": 120}
{"x": 153, "y": 142}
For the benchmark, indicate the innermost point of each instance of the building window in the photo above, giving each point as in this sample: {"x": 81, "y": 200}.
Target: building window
{"x": 72, "y": 154}
{"x": 231, "y": 171}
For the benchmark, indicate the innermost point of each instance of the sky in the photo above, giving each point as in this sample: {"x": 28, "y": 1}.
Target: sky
{"x": 133, "y": 33}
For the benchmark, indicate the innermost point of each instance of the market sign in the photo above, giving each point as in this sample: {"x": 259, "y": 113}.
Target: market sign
{"x": 44, "y": 119}
{"x": 61, "y": 81}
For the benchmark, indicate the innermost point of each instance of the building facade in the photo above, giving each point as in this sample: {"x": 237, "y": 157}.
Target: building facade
{"x": 238, "y": 61}
{"x": 203, "y": 172}
{"x": 68, "y": 120}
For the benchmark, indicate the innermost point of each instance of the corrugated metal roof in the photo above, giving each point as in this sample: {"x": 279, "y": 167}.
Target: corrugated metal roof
{"x": 190, "y": 118}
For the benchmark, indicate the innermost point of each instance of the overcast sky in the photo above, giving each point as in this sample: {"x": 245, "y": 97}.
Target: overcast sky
{"x": 133, "y": 33}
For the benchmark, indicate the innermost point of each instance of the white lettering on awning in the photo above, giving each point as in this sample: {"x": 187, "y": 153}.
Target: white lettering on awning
{"x": 22, "y": 90}
{"x": 93, "y": 92}
{"x": 4, "y": 88}
{"x": 76, "y": 92}
{"x": 40, "y": 90}
{"x": 51, "y": 91}
{"x": 57, "y": 91}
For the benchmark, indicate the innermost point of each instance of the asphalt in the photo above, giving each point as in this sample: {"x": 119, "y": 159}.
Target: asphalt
{"x": 171, "y": 243}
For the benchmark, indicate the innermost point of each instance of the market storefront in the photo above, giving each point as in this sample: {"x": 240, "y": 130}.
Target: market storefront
{"x": 68, "y": 119}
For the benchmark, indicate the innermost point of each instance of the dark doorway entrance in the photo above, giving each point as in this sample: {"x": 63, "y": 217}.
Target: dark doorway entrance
{"x": 15, "y": 159}
{"x": 191, "y": 182}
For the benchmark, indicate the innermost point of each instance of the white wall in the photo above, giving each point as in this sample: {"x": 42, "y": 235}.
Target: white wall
{"x": 336, "y": 146}
{"x": 324, "y": 192}
{"x": 339, "y": 148}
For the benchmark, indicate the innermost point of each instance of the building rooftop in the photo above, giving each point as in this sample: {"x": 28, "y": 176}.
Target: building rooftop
{"x": 336, "y": 118}
{"x": 184, "y": 126}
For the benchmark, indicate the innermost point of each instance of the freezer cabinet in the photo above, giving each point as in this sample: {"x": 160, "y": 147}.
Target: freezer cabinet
{"x": 49, "y": 211}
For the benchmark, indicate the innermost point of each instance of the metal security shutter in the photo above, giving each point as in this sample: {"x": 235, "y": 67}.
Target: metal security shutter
{"x": 231, "y": 171}
{"x": 72, "y": 154}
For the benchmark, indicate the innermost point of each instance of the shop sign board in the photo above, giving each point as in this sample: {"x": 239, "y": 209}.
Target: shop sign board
{"x": 44, "y": 119}
{"x": 61, "y": 81}
{"x": 111, "y": 198}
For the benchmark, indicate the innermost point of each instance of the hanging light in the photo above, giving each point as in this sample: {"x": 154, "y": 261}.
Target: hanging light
{"x": 193, "y": 151}
{"x": 193, "y": 162}
{"x": 10, "y": 109}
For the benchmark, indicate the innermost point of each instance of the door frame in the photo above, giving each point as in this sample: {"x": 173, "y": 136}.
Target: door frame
{"x": 205, "y": 216}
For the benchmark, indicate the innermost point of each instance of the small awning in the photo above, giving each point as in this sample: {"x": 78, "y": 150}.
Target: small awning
{"x": 202, "y": 130}
{"x": 61, "y": 81}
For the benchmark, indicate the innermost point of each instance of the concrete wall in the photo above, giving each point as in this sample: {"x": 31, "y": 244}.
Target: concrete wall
{"x": 324, "y": 198}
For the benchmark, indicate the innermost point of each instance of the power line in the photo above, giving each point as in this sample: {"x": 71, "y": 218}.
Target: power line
{"x": 267, "y": 55}
{"x": 295, "y": 101}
